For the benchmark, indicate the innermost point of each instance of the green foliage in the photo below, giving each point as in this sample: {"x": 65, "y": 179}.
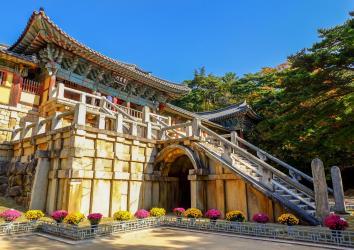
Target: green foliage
{"x": 306, "y": 108}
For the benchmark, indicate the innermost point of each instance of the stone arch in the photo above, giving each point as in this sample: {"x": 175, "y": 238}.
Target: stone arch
{"x": 174, "y": 165}
{"x": 170, "y": 153}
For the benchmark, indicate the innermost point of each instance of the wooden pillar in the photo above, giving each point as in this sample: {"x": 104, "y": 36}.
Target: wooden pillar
{"x": 338, "y": 191}
{"x": 16, "y": 89}
{"x": 220, "y": 196}
{"x": 320, "y": 188}
{"x": 197, "y": 192}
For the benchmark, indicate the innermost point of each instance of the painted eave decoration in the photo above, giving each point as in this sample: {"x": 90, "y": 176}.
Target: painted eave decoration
{"x": 41, "y": 31}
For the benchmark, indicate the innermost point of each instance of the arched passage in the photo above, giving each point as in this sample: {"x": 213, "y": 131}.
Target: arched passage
{"x": 174, "y": 163}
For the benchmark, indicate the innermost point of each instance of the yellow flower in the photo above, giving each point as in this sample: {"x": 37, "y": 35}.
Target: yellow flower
{"x": 122, "y": 215}
{"x": 288, "y": 219}
{"x": 34, "y": 214}
{"x": 157, "y": 212}
{"x": 74, "y": 218}
{"x": 193, "y": 213}
{"x": 235, "y": 215}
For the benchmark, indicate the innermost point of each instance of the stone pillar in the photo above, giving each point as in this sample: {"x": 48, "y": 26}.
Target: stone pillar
{"x": 197, "y": 192}
{"x": 80, "y": 114}
{"x": 40, "y": 182}
{"x": 338, "y": 190}
{"x": 320, "y": 188}
{"x": 220, "y": 196}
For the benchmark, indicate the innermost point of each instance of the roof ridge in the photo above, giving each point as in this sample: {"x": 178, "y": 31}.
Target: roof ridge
{"x": 131, "y": 67}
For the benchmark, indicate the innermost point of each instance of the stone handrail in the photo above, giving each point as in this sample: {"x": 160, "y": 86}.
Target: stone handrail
{"x": 229, "y": 146}
{"x": 292, "y": 170}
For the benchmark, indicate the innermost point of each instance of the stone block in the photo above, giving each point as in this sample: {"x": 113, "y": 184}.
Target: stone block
{"x": 14, "y": 191}
{"x": 136, "y": 167}
{"x": 121, "y": 166}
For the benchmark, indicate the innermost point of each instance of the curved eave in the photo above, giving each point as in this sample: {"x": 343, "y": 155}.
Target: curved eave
{"x": 40, "y": 30}
{"x": 13, "y": 57}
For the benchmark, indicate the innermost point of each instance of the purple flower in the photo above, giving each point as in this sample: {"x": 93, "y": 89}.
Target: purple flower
{"x": 94, "y": 218}
{"x": 178, "y": 211}
{"x": 260, "y": 218}
{"x": 10, "y": 215}
{"x": 213, "y": 214}
{"x": 59, "y": 215}
{"x": 335, "y": 222}
{"x": 142, "y": 214}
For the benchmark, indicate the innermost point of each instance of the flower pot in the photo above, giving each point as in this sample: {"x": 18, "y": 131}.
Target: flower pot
{"x": 192, "y": 221}
{"x": 94, "y": 228}
{"x": 213, "y": 222}
{"x": 337, "y": 236}
{"x": 179, "y": 220}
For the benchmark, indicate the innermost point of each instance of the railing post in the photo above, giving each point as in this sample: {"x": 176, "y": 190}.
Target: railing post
{"x": 134, "y": 129}
{"x": 226, "y": 154}
{"x": 320, "y": 188}
{"x": 146, "y": 114}
{"x": 169, "y": 120}
{"x": 60, "y": 90}
{"x": 40, "y": 127}
{"x": 119, "y": 123}
{"x": 16, "y": 134}
{"x": 234, "y": 137}
{"x": 103, "y": 102}
{"x": 148, "y": 130}
{"x": 24, "y": 130}
{"x": 101, "y": 121}
{"x": 80, "y": 114}
{"x": 83, "y": 98}
{"x": 189, "y": 131}
{"x": 196, "y": 127}
{"x": 267, "y": 177}
{"x": 56, "y": 121}
{"x": 338, "y": 192}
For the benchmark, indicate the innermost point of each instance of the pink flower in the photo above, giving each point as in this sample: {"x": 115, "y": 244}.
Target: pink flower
{"x": 94, "y": 218}
{"x": 178, "y": 211}
{"x": 142, "y": 214}
{"x": 10, "y": 215}
{"x": 260, "y": 218}
{"x": 213, "y": 214}
{"x": 335, "y": 222}
{"x": 59, "y": 215}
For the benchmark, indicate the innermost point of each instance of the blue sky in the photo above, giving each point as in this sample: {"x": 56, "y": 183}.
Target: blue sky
{"x": 173, "y": 38}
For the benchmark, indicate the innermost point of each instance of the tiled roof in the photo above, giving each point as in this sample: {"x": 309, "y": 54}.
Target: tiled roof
{"x": 22, "y": 44}
{"x": 30, "y": 59}
{"x": 228, "y": 112}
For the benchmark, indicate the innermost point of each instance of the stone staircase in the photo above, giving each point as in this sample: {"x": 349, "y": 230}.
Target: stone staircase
{"x": 239, "y": 159}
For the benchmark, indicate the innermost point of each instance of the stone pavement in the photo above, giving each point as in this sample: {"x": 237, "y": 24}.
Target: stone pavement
{"x": 159, "y": 238}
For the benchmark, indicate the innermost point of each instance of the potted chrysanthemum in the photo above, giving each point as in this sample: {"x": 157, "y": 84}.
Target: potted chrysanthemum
{"x": 59, "y": 215}
{"x": 94, "y": 219}
{"x": 337, "y": 224}
{"x": 141, "y": 214}
{"x": 9, "y": 216}
{"x": 34, "y": 215}
{"x": 193, "y": 214}
{"x": 235, "y": 217}
{"x": 213, "y": 215}
{"x": 178, "y": 211}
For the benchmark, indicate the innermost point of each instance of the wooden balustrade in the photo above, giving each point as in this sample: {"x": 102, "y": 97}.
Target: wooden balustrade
{"x": 31, "y": 86}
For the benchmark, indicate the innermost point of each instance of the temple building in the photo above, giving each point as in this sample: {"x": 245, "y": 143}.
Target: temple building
{"x": 83, "y": 132}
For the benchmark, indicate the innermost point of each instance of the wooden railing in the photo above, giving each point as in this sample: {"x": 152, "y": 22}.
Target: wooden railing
{"x": 31, "y": 86}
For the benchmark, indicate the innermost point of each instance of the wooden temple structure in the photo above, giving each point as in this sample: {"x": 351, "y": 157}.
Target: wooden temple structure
{"x": 83, "y": 132}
